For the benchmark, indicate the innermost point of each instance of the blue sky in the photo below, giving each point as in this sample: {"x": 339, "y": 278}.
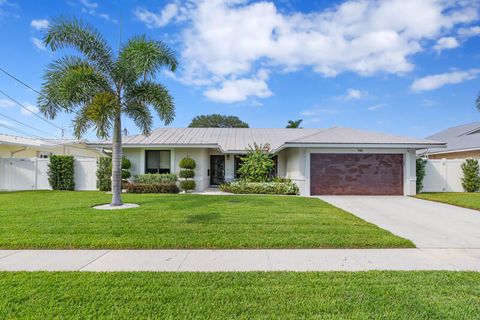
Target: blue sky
{"x": 405, "y": 67}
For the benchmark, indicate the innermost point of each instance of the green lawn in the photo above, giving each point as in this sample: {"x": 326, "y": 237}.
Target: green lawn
{"x": 272, "y": 295}
{"x": 56, "y": 219}
{"x": 461, "y": 199}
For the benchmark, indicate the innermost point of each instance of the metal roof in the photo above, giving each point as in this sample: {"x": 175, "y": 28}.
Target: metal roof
{"x": 463, "y": 137}
{"x": 239, "y": 139}
{"x": 7, "y": 139}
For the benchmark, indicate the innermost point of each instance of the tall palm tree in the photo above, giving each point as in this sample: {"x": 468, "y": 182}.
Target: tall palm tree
{"x": 100, "y": 87}
{"x": 294, "y": 123}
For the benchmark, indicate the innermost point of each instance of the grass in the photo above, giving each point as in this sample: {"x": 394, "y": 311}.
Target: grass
{"x": 272, "y": 295}
{"x": 460, "y": 199}
{"x": 61, "y": 219}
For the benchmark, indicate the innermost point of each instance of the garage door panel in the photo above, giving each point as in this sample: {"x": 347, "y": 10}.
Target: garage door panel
{"x": 356, "y": 174}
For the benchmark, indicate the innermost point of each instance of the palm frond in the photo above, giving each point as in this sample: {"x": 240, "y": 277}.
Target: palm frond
{"x": 73, "y": 33}
{"x": 147, "y": 56}
{"x": 155, "y": 95}
{"x": 140, "y": 114}
{"x": 100, "y": 113}
{"x": 68, "y": 83}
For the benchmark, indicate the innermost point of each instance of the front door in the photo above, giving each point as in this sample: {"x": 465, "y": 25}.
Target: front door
{"x": 217, "y": 170}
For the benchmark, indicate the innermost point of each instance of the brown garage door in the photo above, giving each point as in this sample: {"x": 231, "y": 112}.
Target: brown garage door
{"x": 356, "y": 174}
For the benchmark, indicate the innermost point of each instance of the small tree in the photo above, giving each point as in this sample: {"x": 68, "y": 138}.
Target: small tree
{"x": 258, "y": 164}
{"x": 61, "y": 175}
{"x": 104, "y": 172}
{"x": 187, "y": 165}
{"x": 471, "y": 179}
{"x": 294, "y": 124}
{"x": 420, "y": 169}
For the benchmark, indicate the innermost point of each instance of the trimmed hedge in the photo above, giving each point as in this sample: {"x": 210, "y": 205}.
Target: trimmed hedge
{"x": 61, "y": 174}
{"x": 187, "y": 163}
{"x": 155, "y": 178}
{"x": 287, "y": 187}
{"x": 152, "y": 188}
{"x": 186, "y": 174}
{"x": 187, "y": 184}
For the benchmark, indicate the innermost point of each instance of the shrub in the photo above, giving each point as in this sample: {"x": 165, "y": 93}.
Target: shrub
{"x": 169, "y": 187}
{"x": 420, "y": 169}
{"x": 104, "y": 172}
{"x": 155, "y": 178}
{"x": 187, "y": 185}
{"x": 470, "y": 180}
{"x": 287, "y": 187}
{"x": 257, "y": 165}
{"x": 187, "y": 163}
{"x": 61, "y": 175}
{"x": 186, "y": 174}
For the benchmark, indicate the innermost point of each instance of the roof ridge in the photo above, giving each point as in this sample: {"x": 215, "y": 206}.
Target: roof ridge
{"x": 320, "y": 130}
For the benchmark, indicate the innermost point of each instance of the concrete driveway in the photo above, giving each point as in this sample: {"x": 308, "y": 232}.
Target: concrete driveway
{"x": 427, "y": 224}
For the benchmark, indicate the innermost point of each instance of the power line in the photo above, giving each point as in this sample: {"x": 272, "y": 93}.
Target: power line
{"x": 26, "y": 85}
{"x": 26, "y": 125}
{"x": 20, "y": 132}
{"x": 27, "y": 109}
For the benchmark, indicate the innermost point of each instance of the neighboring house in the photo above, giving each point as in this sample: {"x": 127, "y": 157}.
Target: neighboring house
{"x": 24, "y": 162}
{"x": 22, "y": 147}
{"x": 462, "y": 142}
{"x": 320, "y": 161}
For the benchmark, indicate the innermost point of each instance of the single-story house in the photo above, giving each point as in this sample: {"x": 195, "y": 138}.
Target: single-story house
{"x": 23, "y": 147}
{"x": 462, "y": 142}
{"x": 321, "y": 161}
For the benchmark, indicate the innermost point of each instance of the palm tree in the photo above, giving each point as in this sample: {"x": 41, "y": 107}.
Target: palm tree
{"x": 100, "y": 87}
{"x": 294, "y": 123}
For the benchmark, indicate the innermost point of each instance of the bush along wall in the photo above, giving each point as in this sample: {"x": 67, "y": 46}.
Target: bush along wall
{"x": 471, "y": 179}
{"x": 187, "y": 166}
{"x": 104, "y": 173}
{"x": 420, "y": 168}
{"x": 61, "y": 174}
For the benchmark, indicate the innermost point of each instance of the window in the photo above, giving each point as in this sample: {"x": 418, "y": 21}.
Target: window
{"x": 157, "y": 161}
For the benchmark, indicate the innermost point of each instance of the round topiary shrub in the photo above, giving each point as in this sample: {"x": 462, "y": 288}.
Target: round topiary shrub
{"x": 187, "y": 185}
{"x": 187, "y": 163}
{"x": 186, "y": 174}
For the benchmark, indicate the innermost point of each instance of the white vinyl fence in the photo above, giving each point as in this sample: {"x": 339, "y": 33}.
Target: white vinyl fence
{"x": 31, "y": 174}
{"x": 443, "y": 175}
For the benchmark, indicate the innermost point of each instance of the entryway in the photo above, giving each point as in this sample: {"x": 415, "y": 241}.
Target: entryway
{"x": 217, "y": 170}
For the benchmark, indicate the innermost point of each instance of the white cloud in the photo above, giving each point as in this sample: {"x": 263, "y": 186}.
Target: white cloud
{"x": 4, "y": 103}
{"x": 225, "y": 40}
{"x": 446, "y": 43}
{"x": 6, "y": 123}
{"x": 469, "y": 32}
{"x": 157, "y": 20}
{"x": 89, "y": 4}
{"x": 439, "y": 80}
{"x": 352, "y": 94}
{"x": 377, "y": 106}
{"x": 240, "y": 89}
{"x": 38, "y": 43}
{"x": 40, "y": 24}
{"x": 30, "y": 107}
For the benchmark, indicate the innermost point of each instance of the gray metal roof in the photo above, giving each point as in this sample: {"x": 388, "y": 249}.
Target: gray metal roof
{"x": 463, "y": 137}
{"x": 239, "y": 139}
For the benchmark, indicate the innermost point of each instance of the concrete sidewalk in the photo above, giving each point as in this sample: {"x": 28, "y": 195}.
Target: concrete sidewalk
{"x": 241, "y": 260}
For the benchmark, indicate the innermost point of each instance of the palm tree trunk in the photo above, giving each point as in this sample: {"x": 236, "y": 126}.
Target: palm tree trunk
{"x": 117, "y": 162}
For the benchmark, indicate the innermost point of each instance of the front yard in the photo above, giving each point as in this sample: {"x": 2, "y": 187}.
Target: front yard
{"x": 460, "y": 199}
{"x": 62, "y": 219}
{"x": 252, "y": 295}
